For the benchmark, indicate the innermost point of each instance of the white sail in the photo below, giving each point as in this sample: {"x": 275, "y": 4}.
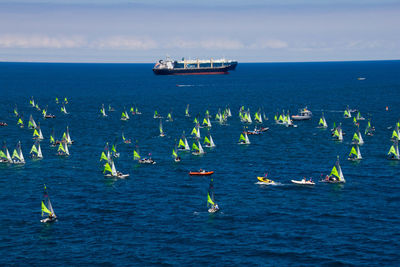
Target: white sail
{"x": 360, "y": 138}
{"x": 341, "y": 177}
{"x": 68, "y": 137}
{"x": 66, "y": 148}
{"x": 358, "y": 153}
{"x": 247, "y": 138}
{"x": 201, "y": 150}
{"x": 39, "y": 154}
{"x": 19, "y": 150}
{"x": 211, "y": 142}
{"x": 8, "y": 155}
{"x": 113, "y": 170}
{"x": 186, "y": 144}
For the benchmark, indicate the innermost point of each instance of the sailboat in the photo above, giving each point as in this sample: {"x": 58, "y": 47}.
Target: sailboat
{"x": 322, "y": 122}
{"x": 36, "y": 151}
{"x": 124, "y": 115}
{"x": 347, "y": 113}
{"x": 396, "y": 134}
{"x": 211, "y": 204}
{"x": 110, "y": 109}
{"x": 288, "y": 121}
{"x": 175, "y": 155}
{"x": 110, "y": 171}
{"x": 47, "y": 116}
{"x": 65, "y": 100}
{"x": 16, "y": 111}
{"x": 244, "y": 139}
{"x": 126, "y": 141}
{"x": 64, "y": 110}
{"x": 209, "y": 142}
{"x": 156, "y": 115}
{"x": 336, "y": 175}
{"x": 338, "y": 134}
{"x": 53, "y": 142}
{"x": 56, "y": 100}
{"x": 393, "y": 153}
{"x": 17, "y": 156}
{"x": 258, "y": 117}
{"x": 197, "y": 149}
{"x": 37, "y": 133}
{"x": 196, "y": 131}
{"x": 105, "y": 155}
{"x": 369, "y": 130}
{"x": 32, "y": 102}
{"x": 183, "y": 143}
{"x": 136, "y": 156}
{"x": 357, "y": 138}
{"x": 20, "y": 122}
{"x": 359, "y": 117}
{"x": 355, "y": 153}
{"x": 162, "y": 134}
{"x": 103, "y": 111}
{"x": 187, "y": 114}
{"x": 5, "y": 155}
{"x": 114, "y": 152}
{"x": 31, "y": 124}
{"x": 169, "y": 117}
{"x": 63, "y": 149}
{"x": 67, "y": 137}
{"x": 137, "y": 112}
{"x": 207, "y": 122}
{"x": 47, "y": 208}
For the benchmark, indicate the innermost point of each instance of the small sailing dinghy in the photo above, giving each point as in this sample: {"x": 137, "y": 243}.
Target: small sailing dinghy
{"x": 355, "y": 153}
{"x": 187, "y": 114}
{"x": 396, "y": 134}
{"x": 156, "y": 115}
{"x": 126, "y": 141}
{"x": 20, "y": 122}
{"x": 136, "y": 156}
{"x": 347, "y": 113}
{"x": 169, "y": 117}
{"x": 338, "y": 134}
{"x": 31, "y": 124}
{"x": 47, "y": 209}
{"x": 208, "y": 141}
{"x": 175, "y": 155}
{"x": 197, "y": 149}
{"x": 322, "y": 122}
{"x": 162, "y": 134}
{"x": 244, "y": 139}
{"x": 64, "y": 110}
{"x": 196, "y": 131}
{"x": 67, "y": 137}
{"x": 63, "y": 149}
{"x": 393, "y": 153}
{"x": 105, "y": 155}
{"x": 211, "y": 204}
{"x": 336, "y": 175}
{"x": 110, "y": 171}
{"x": 103, "y": 111}
{"x": 357, "y": 138}
{"x": 258, "y": 116}
{"x": 5, "y": 155}
{"x": 17, "y": 156}
{"x": 207, "y": 122}
{"x": 303, "y": 181}
{"x": 183, "y": 143}
{"x": 37, "y": 133}
{"x": 124, "y": 115}
{"x": 369, "y": 130}
{"x": 36, "y": 151}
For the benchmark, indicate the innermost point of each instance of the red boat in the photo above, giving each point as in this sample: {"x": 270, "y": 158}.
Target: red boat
{"x": 201, "y": 172}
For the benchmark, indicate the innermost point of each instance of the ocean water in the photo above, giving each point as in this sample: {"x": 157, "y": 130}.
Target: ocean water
{"x": 158, "y": 215}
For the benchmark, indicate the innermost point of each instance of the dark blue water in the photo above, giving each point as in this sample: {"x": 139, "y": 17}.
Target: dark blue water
{"x": 158, "y": 215}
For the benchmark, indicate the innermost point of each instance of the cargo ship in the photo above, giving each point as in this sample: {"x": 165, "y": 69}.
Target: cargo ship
{"x": 192, "y": 67}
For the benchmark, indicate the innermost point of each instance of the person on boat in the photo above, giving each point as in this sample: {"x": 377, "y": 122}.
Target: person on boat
{"x": 216, "y": 206}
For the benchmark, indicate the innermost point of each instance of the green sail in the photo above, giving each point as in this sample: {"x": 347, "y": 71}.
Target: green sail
{"x": 35, "y": 133}
{"x": 392, "y": 151}
{"x": 20, "y": 121}
{"x": 34, "y": 149}
{"x": 206, "y": 140}
{"x": 135, "y": 155}
{"x": 336, "y": 133}
{"x": 334, "y": 172}
{"x": 395, "y": 135}
{"x": 181, "y": 143}
{"x": 15, "y": 154}
{"x": 353, "y": 152}
{"x": 174, "y": 153}
{"x": 61, "y": 147}
{"x": 209, "y": 200}
{"x": 241, "y": 138}
{"x": 355, "y": 137}
{"x": 194, "y": 131}
{"x": 195, "y": 147}
{"x": 103, "y": 156}
{"x": 2, "y": 155}
{"x": 45, "y": 209}
{"x": 321, "y": 121}
{"x": 107, "y": 167}
{"x": 52, "y": 139}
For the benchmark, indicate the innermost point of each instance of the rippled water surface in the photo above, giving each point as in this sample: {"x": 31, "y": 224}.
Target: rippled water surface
{"x": 158, "y": 215}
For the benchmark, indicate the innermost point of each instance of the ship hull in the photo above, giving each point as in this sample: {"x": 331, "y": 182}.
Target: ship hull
{"x": 192, "y": 71}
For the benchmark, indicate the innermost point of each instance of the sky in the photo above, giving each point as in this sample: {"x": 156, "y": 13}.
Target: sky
{"x": 144, "y": 31}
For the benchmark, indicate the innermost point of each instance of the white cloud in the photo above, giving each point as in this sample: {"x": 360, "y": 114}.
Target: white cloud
{"x": 40, "y": 41}
{"x": 271, "y": 44}
{"x": 124, "y": 42}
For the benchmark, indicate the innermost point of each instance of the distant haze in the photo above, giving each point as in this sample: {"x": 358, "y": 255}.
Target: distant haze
{"x": 145, "y": 31}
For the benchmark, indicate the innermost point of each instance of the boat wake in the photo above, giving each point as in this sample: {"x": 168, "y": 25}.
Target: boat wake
{"x": 273, "y": 184}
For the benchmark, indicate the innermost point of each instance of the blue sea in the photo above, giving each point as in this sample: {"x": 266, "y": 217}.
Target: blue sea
{"x": 158, "y": 215}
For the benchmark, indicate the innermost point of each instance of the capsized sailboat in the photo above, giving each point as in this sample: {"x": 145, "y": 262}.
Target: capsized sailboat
{"x": 211, "y": 204}
{"x": 17, "y": 156}
{"x": 36, "y": 151}
{"x": 355, "y": 153}
{"x": 48, "y": 213}
{"x": 336, "y": 175}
